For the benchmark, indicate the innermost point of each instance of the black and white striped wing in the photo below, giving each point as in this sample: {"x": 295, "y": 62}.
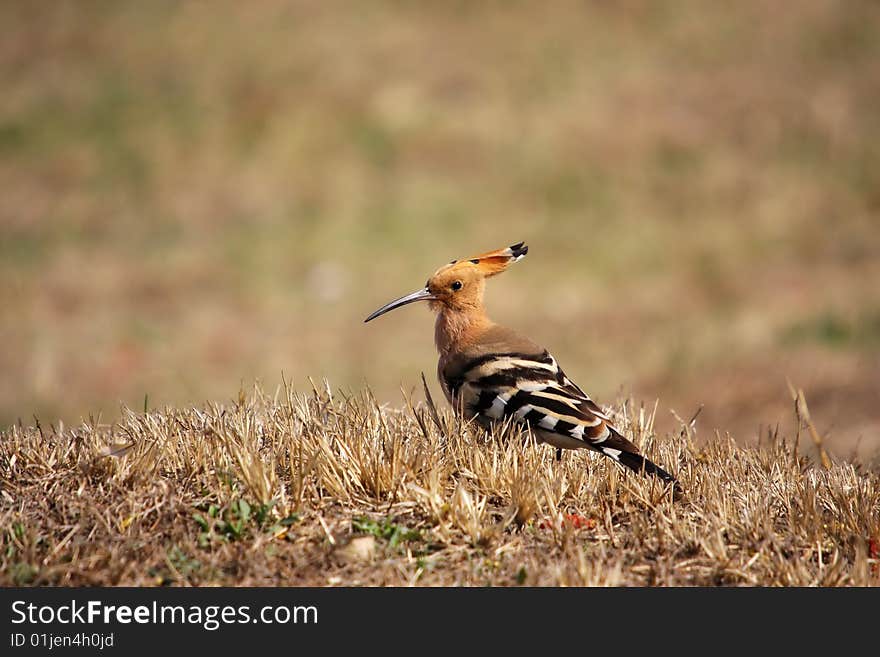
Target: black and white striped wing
{"x": 535, "y": 391}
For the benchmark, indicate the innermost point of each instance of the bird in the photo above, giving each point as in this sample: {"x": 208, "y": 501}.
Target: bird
{"x": 492, "y": 374}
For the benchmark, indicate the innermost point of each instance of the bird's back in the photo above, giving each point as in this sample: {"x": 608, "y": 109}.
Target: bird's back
{"x": 471, "y": 360}
{"x": 503, "y": 375}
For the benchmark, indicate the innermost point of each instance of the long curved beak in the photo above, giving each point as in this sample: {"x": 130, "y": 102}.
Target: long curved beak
{"x": 420, "y": 295}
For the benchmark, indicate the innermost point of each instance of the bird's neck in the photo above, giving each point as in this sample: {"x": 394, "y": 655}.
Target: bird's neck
{"x": 456, "y": 329}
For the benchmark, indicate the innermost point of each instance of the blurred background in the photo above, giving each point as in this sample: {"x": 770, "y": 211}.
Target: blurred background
{"x": 197, "y": 195}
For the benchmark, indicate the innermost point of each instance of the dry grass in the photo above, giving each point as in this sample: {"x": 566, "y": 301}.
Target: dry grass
{"x": 318, "y": 489}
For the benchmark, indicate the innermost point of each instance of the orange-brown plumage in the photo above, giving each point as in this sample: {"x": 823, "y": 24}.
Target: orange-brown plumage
{"x": 491, "y": 373}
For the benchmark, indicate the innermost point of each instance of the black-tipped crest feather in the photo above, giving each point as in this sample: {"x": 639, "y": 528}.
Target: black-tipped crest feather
{"x": 519, "y": 249}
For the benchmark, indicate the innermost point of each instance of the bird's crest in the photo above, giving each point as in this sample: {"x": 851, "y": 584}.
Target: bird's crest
{"x": 492, "y": 262}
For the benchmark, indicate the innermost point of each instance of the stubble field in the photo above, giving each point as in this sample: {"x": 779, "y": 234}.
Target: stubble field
{"x": 293, "y": 489}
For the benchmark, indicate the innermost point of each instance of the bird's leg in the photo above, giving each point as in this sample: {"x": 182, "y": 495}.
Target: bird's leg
{"x": 559, "y": 454}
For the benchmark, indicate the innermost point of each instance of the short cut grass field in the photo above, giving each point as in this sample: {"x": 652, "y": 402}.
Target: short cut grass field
{"x": 317, "y": 489}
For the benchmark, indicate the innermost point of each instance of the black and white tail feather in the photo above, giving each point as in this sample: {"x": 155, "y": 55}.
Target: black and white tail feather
{"x": 533, "y": 390}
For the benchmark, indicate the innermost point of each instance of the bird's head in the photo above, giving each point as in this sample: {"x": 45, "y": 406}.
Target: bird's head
{"x": 460, "y": 284}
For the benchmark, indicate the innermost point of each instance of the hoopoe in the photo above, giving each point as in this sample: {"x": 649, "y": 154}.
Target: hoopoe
{"x": 492, "y": 374}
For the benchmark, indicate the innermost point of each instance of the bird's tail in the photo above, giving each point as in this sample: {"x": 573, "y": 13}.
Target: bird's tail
{"x": 638, "y": 463}
{"x": 627, "y": 454}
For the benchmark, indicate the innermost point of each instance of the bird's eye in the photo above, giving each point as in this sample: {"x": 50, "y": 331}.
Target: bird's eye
{"x": 456, "y": 286}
